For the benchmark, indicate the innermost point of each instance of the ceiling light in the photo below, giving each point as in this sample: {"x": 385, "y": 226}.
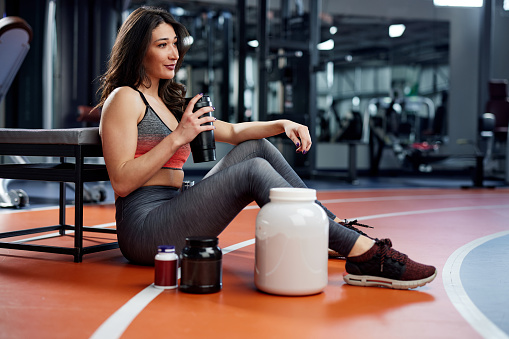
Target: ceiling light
{"x": 188, "y": 40}
{"x": 178, "y": 11}
{"x": 326, "y": 45}
{"x": 333, "y": 29}
{"x": 396, "y": 30}
{"x": 459, "y": 3}
{"x": 253, "y": 43}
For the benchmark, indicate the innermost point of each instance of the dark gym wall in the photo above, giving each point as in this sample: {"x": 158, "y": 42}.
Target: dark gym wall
{"x": 23, "y": 103}
{"x": 85, "y": 31}
{"x": 86, "y": 34}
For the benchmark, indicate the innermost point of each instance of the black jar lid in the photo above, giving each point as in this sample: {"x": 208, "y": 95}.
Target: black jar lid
{"x": 201, "y": 241}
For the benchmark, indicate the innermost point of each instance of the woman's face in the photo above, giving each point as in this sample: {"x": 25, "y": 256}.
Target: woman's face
{"x": 162, "y": 54}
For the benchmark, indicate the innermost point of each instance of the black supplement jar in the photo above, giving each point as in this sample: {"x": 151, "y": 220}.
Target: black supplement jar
{"x": 201, "y": 266}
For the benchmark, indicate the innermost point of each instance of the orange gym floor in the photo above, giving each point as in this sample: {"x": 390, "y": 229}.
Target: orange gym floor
{"x": 464, "y": 233}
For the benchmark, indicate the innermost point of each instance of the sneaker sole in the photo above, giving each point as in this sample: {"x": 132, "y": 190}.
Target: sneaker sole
{"x": 370, "y": 281}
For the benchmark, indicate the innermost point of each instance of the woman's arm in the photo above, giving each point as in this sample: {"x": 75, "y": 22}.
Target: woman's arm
{"x": 237, "y": 133}
{"x": 121, "y": 114}
{"x": 119, "y": 134}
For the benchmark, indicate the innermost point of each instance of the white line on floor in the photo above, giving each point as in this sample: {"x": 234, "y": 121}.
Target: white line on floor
{"x": 458, "y": 295}
{"x": 118, "y": 322}
{"x": 331, "y": 201}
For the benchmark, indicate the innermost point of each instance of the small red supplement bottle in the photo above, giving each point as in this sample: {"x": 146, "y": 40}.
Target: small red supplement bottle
{"x": 166, "y": 267}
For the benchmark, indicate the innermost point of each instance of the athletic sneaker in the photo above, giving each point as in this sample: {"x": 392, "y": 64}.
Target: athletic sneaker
{"x": 350, "y": 225}
{"x": 385, "y": 267}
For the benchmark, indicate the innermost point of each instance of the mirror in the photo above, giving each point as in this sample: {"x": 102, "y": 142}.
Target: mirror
{"x": 366, "y": 64}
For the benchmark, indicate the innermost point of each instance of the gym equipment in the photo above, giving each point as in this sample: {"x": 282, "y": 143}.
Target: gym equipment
{"x": 15, "y": 37}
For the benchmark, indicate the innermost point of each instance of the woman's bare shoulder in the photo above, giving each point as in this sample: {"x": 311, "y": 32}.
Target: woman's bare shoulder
{"x": 124, "y": 100}
{"x": 123, "y": 95}
{"x": 123, "y": 106}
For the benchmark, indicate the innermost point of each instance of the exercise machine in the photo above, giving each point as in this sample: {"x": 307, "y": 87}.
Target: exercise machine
{"x": 15, "y": 37}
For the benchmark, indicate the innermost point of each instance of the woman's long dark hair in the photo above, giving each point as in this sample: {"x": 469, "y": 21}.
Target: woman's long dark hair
{"x": 125, "y": 66}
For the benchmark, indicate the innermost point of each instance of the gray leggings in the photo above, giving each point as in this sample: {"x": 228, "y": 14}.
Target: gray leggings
{"x": 157, "y": 215}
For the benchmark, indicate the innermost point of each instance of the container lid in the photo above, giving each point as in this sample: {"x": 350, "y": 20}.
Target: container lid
{"x": 201, "y": 241}
{"x": 166, "y": 248}
{"x": 292, "y": 194}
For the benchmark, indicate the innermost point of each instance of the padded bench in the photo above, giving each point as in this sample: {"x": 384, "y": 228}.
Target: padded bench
{"x": 71, "y": 146}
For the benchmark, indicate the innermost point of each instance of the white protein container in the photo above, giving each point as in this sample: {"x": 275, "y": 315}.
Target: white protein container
{"x": 292, "y": 235}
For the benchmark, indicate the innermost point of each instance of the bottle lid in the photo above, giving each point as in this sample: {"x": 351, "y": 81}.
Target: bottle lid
{"x": 292, "y": 194}
{"x": 201, "y": 241}
{"x": 166, "y": 249}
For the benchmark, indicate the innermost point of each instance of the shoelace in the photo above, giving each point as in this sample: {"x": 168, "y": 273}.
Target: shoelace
{"x": 351, "y": 225}
{"x": 386, "y": 250}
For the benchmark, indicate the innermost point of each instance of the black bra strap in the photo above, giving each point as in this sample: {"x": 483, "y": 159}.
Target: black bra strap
{"x": 142, "y": 96}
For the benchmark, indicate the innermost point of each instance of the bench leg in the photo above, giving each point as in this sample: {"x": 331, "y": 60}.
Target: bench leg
{"x": 61, "y": 205}
{"x": 78, "y": 208}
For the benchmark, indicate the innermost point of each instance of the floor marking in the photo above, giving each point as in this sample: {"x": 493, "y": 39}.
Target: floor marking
{"x": 397, "y": 214}
{"x": 403, "y": 197}
{"x": 331, "y": 201}
{"x": 376, "y": 216}
{"x": 27, "y": 209}
{"x": 10, "y": 210}
{"x": 434, "y": 210}
{"x": 458, "y": 296}
{"x": 238, "y": 246}
{"x": 118, "y": 322}
{"x": 115, "y": 325}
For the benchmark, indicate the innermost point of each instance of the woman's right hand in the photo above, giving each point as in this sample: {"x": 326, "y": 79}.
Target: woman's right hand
{"x": 192, "y": 123}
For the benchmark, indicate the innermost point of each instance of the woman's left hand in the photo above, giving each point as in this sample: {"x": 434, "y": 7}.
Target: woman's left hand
{"x": 299, "y": 134}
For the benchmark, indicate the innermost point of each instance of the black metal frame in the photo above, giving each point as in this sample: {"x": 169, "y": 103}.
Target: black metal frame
{"x": 305, "y": 102}
{"x": 77, "y": 172}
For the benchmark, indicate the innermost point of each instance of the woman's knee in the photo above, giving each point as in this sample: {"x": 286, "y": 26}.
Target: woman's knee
{"x": 256, "y": 144}
{"x": 264, "y": 144}
{"x": 267, "y": 148}
{"x": 261, "y": 172}
{"x": 259, "y": 165}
